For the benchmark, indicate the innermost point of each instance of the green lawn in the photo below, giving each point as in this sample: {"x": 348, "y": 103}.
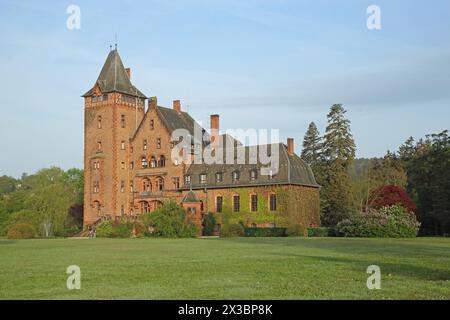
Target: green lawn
{"x": 239, "y": 268}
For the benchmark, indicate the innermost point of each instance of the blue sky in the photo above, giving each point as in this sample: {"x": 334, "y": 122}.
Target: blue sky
{"x": 259, "y": 64}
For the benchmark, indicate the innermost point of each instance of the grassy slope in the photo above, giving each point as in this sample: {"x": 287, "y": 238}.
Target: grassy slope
{"x": 241, "y": 268}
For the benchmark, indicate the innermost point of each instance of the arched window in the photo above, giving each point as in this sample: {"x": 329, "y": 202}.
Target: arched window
{"x": 153, "y": 162}
{"x": 162, "y": 161}
{"x": 146, "y": 185}
{"x": 144, "y": 162}
{"x": 160, "y": 184}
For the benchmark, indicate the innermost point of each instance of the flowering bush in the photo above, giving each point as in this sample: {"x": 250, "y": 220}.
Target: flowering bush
{"x": 390, "y": 195}
{"x": 21, "y": 231}
{"x": 388, "y": 222}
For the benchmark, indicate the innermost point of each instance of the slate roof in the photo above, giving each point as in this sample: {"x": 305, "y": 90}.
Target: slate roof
{"x": 190, "y": 197}
{"x": 114, "y": 78}
{"x": 292, "y": 170}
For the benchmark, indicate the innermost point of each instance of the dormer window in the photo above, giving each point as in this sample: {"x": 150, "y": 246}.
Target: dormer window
{"x": 187, "y": 179}
{"x": 203, "y": 177}
{"x": 236, "y": 176}
{"x": 253, "y": 175}
{"x": 219, "y": 177}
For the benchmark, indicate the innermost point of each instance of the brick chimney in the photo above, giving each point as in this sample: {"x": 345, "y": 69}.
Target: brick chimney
{"x": 128, "y": 70}
{"x": 215, "y": 129}
{"x": 152, "y": 103}
{"x": 177, "y": 105}
{"x": 290, "y": 145}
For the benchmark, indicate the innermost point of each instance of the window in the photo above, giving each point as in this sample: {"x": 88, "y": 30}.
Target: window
{"x": 122, "y": 209}
{"x": 253, "y": 175}
{"x": 131, "y": 186}
{"x": 219, "y": 177}
{"x": 162, "y": 161}
{"x": 273, "y": 202}
{"x": 271, "y": 175}
{"x": 176, "y": 183}
{"x": 122, "y": 145}
{"x": 94, "y": 99}
{"x": 158, "y": 143}
{"x": 122, "y": 121}
{"x": 122, "y": 186}
{"x": 203, "y": 177}
{"x": 131, "y": 165}
{"x": 219, "y": 201}
{"x": 160, "y": 184}
{"x": 236, "y": 176}
{"x": 122, "y": 165}
{"x": 153, "y": 162}
{"x": 254, "y": 203}
{"x": 152, "y": 124}
{"x": 146, "y": 185}
{"x": 96, "y": 165}
{"x": 187, "y": 179}
{"x": 99, "y": 146}
{"x": 145, "y": 144}
{"x": 99, "y": 122}
{"x": 236, "y": 203}
{"x": 96, "y": 186}
{"x": 105, "y": 97}
{"x": 144, "y": 162}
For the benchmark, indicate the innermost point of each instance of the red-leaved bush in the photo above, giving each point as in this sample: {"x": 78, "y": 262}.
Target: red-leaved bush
{"x": 391, "y": 195}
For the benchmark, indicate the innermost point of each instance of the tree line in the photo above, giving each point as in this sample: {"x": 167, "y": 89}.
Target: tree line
{"x": 352, "y": 185}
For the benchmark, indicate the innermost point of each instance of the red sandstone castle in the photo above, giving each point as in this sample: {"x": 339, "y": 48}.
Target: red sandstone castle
{"x": 129, "y": 169}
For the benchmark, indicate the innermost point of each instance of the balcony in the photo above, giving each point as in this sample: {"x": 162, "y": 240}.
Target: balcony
{"x": 148, "y": 195}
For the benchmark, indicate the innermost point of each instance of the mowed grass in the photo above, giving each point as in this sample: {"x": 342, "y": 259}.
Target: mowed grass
{"x": 239, "y": 268}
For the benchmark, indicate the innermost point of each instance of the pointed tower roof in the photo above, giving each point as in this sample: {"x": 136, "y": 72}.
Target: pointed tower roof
{"x": 190, "y": 197}
{"x": 114, "y": 77}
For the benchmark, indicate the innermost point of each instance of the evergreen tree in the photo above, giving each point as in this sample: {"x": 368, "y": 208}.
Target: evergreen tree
{"x": 312, "y": 145}
{"x": 339, "y": 153}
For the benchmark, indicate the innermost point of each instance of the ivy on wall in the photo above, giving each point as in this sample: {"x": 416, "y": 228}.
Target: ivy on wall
{"x": 295, "y": 206}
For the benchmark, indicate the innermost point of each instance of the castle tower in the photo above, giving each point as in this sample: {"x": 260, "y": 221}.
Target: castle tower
{"x": 113, "y": 109}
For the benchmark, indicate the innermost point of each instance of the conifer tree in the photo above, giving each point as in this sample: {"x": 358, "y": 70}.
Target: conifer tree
{"x": 312, "y": 144}
{"x": 339, "y": 153}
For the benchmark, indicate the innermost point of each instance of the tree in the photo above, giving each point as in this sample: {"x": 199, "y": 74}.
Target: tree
{"x": 339, "y": 153}
{"x": 7, "y": 184}
{"x": 427, "y": 163}
{"x": 312, "y": 146}
{"x": 391, "y": 195}
{"x": 171, "y": 221}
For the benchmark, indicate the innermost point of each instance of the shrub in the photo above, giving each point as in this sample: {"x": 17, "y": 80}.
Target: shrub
{"x": 21, "y": 231}
{"x": 265, "y": 232}
{"x": 297, "y": 230}
{"x": 169, "y": 221}
{"x": 391, "y": 221}
{"x": 319, "y": 232}
{"x": 232, "y": 230}
{"x": 391, "y": 195}
{"x": 111, "y": 229}
{"x": 209, "y": 223}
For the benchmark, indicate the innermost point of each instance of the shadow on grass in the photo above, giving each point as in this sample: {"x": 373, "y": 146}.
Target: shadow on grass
{"x": 7, "y": 241}
{"x": 387, "y": 268}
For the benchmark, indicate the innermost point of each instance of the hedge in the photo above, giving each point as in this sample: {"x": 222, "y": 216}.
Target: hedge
{"x": 320, "y": 232}
{"x": 265, "y": 232}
